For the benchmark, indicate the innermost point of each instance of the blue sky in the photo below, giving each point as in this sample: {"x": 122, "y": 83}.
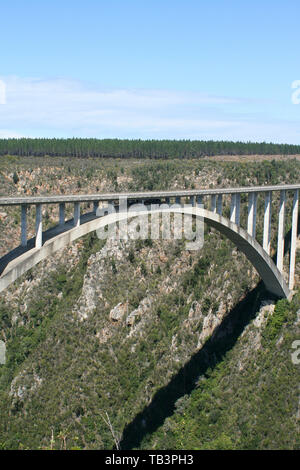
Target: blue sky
{"x": 214, "y": 69}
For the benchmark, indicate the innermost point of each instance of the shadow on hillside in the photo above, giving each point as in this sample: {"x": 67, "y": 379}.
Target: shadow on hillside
{"x": 185, "y": 381}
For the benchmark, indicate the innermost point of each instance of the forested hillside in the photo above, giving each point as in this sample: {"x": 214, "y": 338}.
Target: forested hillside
{"x": 179, "y": 349}
{"x": 250, "y": 400}
{"x": 140, "y": 148}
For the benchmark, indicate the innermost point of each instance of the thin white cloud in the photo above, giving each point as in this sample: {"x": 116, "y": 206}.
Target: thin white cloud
{"x": 60, "y": 107}
{"x": 76, "y": 93}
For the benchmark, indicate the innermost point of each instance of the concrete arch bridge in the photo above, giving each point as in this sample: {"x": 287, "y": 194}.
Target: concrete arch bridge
{"x": 207, "y": 205}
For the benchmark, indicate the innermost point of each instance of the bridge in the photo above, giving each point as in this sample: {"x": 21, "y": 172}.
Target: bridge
{"x": 207, "y": 204}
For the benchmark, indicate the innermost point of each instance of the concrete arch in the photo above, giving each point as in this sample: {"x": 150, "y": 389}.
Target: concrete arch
{"x": 272, "y": 278}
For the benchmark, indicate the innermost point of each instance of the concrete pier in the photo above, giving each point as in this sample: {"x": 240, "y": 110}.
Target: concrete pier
{"x": 220, "y": 204}
{"x": 267, "y": 222}
{"x": 62, "y": 213}
{"x": 235, "y": 208}
{"x": 38, "y": 226}
{"x": 252, "y": 205}
{"x": 199, "y": 200}
{"x": 294, "y": 239}
{"x": 232, "y": 208}
{"x": 95, "y": 206}
{"x": 213, "y": 203}
{"x": 76, "y": 214}
{"x": 280, "y": 240}
{"x": 23, "y": 225}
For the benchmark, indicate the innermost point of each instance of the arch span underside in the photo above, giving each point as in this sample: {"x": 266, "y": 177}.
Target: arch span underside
{"x": 262, "y": 262}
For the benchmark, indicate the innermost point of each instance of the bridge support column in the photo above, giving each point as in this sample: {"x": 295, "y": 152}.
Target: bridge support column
{"x": 213, "y": 203}
{"x": 219, "y": 204}
{"x": 251, "y": 226}
{"x": 24, "y": 225}
{"x": 280, "y": 241}
{"x": 235, "y": 208}
{"x": 294, "y": 240}
{"x": 199, "y": 201}
{"x": 38, "y": 226}
{"x": 267, "y": 222}
{"x": 177, "y": 200}
{"x": 62, "y": 213}
{"x": 95, "y": 206}
{"x": 76, "y": 214}
{"x": 232, "y": 208}
{"x": 238, "y": 208}
{"x": 192, "y": 201}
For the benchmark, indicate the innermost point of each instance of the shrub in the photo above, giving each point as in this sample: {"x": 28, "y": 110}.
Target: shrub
{"x": 15, "y": 178}
{"x": 276, "y": 321}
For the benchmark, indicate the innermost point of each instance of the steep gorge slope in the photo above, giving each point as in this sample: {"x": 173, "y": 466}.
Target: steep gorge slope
{"x": 104, "y": 328}
{"x": 104, "y": 336}
{"x": 251, "y": 399}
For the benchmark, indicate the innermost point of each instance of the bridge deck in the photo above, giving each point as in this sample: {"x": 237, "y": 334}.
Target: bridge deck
{"x": 11, "y": 201}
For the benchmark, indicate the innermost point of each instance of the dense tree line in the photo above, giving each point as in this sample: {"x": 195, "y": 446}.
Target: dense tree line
{"x": 140, "y": 148}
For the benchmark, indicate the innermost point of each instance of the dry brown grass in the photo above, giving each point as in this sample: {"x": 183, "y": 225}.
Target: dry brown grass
{"x": 251, "y": 158}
